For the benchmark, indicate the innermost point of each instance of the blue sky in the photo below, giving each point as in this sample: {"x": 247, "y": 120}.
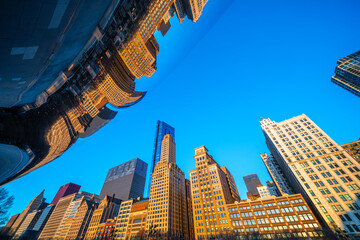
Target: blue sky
{"x": 242, "y": 60}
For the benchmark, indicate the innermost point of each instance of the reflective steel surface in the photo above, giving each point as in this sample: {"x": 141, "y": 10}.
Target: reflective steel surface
{"x": 66, "y": 65}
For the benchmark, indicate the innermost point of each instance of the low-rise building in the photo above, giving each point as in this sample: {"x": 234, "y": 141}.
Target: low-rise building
{"x": 106, "y": 230}
{"x": 275, "y": 217}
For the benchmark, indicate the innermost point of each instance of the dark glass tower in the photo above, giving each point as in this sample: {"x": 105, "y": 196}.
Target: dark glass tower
{"x": 126, "y": 181}
{"x": 347, "y": 73}
{"x": 252, "y": 182}
{"x": 162, "y": 128}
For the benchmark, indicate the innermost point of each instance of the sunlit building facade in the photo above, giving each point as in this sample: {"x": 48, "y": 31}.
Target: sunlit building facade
{"x": 231, "y": 182}
{"x": 137, "y": 219}
{"x": 123, "y": 219}
{"x": 105, "y": 230}
{"x": 67, "y": 206}
{"x": 347, "y": 73}
{"x": 353, "y": 148}
{"x": 167, "y": 199}
{"x": 34, "y": 205}
{"x": 194, "y": 8}
{"x": 107, "y": 209}
{"x": 320, "y": 169}
{"x": 28, "y": 223}
{"x": 210, "y": 192}
{"x": 283, "y": 217}
{"x": 81, "y": 220}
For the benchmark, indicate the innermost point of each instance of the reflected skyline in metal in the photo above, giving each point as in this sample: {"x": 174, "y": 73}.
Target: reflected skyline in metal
{"x": 48, "y": 116}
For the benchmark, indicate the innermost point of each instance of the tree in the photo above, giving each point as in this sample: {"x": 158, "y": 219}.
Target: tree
{"x": 6, "y": 203}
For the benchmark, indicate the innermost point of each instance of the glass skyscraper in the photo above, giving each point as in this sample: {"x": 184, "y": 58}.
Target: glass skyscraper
{"x": 347, "y": 73}
{"x": 162, "y": 128}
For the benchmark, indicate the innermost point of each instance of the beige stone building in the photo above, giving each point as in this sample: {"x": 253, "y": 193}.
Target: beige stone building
{"x": 353, "y": 148}
{"x": 137, "y": 219}
{"x": 65, "y": 208}
{"x": 123, "y": 219}
{"x": 167, "y": 212}
{"x": 316, "y": 166}
{"x": 274, "y": 218}
{"x": 211, "y": 193}
{"x": 56, "y": 217}
{"x": 81, "y": 220}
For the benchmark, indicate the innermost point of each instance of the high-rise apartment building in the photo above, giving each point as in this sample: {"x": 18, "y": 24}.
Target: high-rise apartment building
{"x": 81, "y": 220}
{"x": 34, "y": 205}
{"x": 318, "y": 168}
{"x": 167, "y": 199}
{"x": 347, "y": 73}
{"x": 123, "y": 219}
{"x": 210, "y": 192}
{"x": 137, "y": 219}
{"x": 194, "y": 8}
{"x": 353, "y": 148}
{"x": 276, "y": 174}
{"x": 162, "y": 129}
{"x": 283, "y": 217}
{"x": 44, "y": 217}
{"x": 126, "y": 181}
{"x": 65, "y": 190}
{"x": 28, "y": 223}
{"x": 231, "y": 182}
{"x": 107, "y": 209}
{"x": 252, "y": 181}
{"x": 56, "y": 221}
{"x": 68, "y": 218}
{"x": 7, "y": 227}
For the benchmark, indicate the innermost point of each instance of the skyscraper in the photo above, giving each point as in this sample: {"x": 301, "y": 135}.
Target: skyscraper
{"x": 210, "y": 193}
{"x": 65, "y": 190}
{"x": 276, "y": 174}
{"x": 167, "y": 199}
{"x": 53, "y": 227}
{"x": 347, "y": 73}
{"x": 231, "y": 182}
{"x": 353, "y": 148}
{"x": 107, "y": 209}
{"x": 194, "y": 8}
{"x": 252, "y": 181}
{"x": 35, "y": 204}
{"x": 44, "y": 217}
{"x": 318, "y": 168}
{"x": 126, "y": 180}
{"x": 81, "y": 220}
{"x": 28, "y": 223}
{"x": 162, "y": 128}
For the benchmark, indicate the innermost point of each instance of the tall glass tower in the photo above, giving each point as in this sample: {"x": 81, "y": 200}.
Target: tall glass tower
{"x": 347, "y": 73}
{"x": 162, "y": 129}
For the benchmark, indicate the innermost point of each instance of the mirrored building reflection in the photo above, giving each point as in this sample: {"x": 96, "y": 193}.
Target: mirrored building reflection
{"x": 63, "y": 79}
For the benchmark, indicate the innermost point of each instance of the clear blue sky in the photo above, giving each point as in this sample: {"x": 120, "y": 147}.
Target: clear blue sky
{"x": 243, "y": 60}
